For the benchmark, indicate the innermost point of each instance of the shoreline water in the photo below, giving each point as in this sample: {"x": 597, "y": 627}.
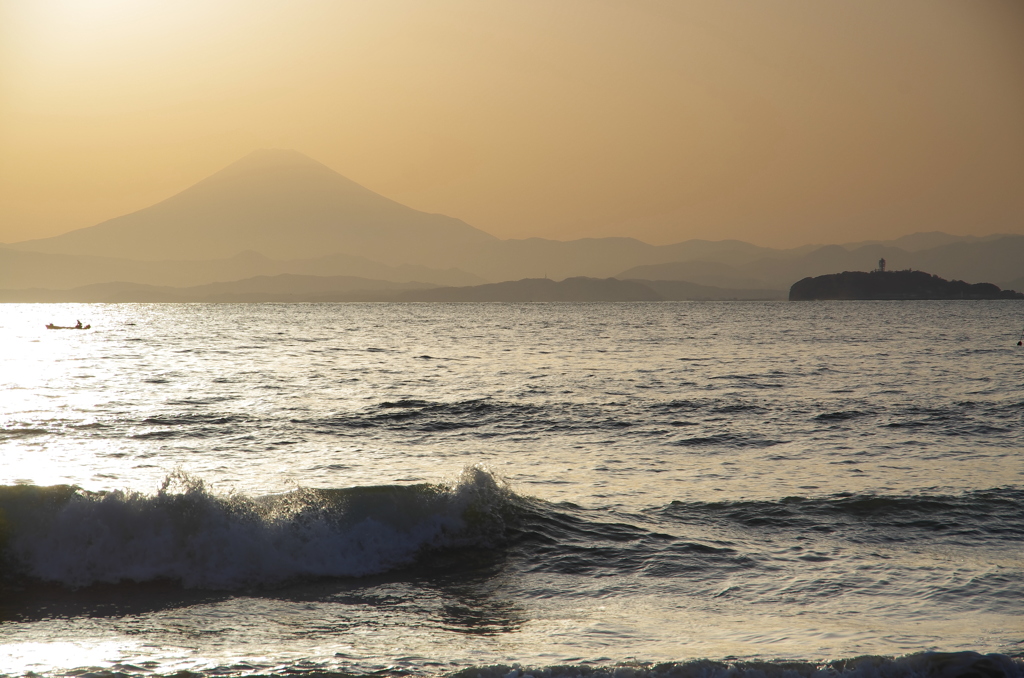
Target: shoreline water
{"x": 959, "y": 664}
{"x": 273, "y": 489}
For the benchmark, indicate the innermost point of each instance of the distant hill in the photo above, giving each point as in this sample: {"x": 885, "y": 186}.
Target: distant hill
{"x": 542, "y": 289}
{"x": 915, "y": 242}
{"x": 999, "y": 258}
{"x": 279, "y": 203}
{"x": 588, "y": 289}
{"x": 678, "y": 290}
{"x": 603, "y": 257}
{"x": 703, "y": 272}
{"x": 893, "y": 285}
{"x": 292, "y": 288}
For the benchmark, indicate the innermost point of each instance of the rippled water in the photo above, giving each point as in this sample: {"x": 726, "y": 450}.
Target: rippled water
{"x": 433, "y": 488}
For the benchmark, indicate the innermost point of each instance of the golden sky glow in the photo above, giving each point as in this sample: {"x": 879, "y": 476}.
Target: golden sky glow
{"x": 780, "y": 122}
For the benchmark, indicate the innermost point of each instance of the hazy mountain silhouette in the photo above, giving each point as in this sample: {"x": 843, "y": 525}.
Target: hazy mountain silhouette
{"x": 915, "y": 242}
{"x": 999, "y": 259}
{"x": 542, "y": 289}
{"x": 595, "y": 257}
{"x": 282, "y": 204}
{"x": 279, "y": 203}
{"x": 679, "y": 290}
{"x": 278, "y": 211}
{"x": 702, "y": 272}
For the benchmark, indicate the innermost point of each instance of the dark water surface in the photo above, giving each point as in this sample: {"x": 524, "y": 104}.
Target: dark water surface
{"x": 513, "y": 489}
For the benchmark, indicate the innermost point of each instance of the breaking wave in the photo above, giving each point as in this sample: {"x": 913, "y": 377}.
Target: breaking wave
{"x": 186, "y": 533}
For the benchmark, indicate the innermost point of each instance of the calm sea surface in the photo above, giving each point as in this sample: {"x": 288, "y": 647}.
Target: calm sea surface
{"x": 513, "y": 489}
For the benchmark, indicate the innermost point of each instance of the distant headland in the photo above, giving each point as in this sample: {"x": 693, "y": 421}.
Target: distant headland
{"x": 895, "y": 285}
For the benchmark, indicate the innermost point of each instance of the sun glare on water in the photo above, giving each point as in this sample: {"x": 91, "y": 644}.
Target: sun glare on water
{"x": 46, "y": 656}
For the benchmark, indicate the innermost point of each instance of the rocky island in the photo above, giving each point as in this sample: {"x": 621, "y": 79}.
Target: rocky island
{"x": 882, "y": 284}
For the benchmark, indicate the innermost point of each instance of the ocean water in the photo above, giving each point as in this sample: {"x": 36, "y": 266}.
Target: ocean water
{"x": 511, "y": 490}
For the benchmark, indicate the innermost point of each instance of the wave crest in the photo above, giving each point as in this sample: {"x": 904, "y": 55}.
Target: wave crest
{"x": 187, "y": 533}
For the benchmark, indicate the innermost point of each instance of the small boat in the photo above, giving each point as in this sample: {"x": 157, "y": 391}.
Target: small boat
{"x": 51, "y": 326}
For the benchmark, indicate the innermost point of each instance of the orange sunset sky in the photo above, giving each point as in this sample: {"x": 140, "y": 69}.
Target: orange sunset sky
{"x": 780, "y": 122}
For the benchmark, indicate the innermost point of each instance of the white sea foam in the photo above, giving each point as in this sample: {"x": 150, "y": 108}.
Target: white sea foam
{"x": 187, "y": 533}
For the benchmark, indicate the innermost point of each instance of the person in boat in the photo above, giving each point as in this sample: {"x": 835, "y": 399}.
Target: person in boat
{"x": 78, "y": 324}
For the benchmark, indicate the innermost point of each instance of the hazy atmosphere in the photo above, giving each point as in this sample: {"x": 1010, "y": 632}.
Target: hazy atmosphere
{"x": 781, "y": 123}
{"x": 523, "y": 339}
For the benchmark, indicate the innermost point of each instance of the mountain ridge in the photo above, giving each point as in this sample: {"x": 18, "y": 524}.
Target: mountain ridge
{"x": 302, "y": 217}
{"x": 276, "y": 202}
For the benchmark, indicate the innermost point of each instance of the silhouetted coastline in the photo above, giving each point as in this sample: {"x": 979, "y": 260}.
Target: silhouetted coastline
{"x": 893, "y": 285}
{"x": 305, "y": 288}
